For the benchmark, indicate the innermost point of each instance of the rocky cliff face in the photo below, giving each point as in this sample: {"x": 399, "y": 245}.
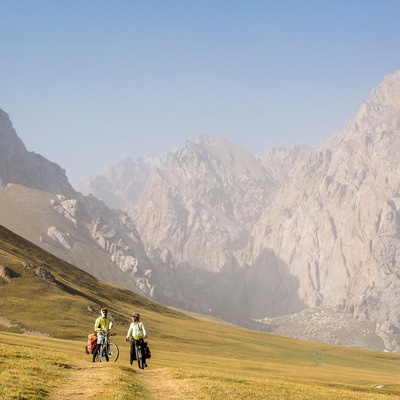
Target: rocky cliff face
{"x": 336, "y": 224}
{"x": 202, "y": 205}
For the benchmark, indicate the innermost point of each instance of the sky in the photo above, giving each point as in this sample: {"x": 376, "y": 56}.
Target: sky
{"x": 88, "y": 83}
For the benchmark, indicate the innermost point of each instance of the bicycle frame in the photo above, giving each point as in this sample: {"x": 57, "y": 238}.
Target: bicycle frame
{"x": 108, "y": 351}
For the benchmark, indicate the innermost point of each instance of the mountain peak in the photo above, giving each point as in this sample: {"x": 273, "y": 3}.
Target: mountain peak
{"x": 382, "y": 110}
{"x": 17, "y": 165}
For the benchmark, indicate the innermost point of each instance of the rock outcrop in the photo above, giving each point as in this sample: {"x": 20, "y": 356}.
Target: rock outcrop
{"x": 5, "y": 273}
{"x": 45, "y": 274}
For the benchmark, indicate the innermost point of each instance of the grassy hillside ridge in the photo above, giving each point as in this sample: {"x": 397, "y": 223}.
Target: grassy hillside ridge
{"x": 42, "y": 306}
{"x": 192, "y": 357}
{"x": 30, "y": 213}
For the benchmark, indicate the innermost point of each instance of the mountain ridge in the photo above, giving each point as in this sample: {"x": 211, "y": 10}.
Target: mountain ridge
{"x": 220, "y": 231}
{"x": 17, "y": 165}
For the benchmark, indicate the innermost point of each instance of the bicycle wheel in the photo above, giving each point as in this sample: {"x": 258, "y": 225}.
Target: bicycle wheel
{"x": 98, "y": 357}
{"x": 139, "y": 355}
{"x": 112, "y": 352}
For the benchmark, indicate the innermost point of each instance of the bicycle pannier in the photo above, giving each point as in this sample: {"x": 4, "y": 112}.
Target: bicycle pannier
{"x": 147, "y": 352}
{"x": 91, "y": 342}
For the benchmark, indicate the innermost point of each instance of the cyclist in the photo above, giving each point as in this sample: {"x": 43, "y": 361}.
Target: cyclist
{"x": 100, "y": 326}
{"x": 136, "y": 333}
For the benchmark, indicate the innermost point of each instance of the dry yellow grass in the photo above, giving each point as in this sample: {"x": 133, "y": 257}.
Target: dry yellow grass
{"x": 39, "y": 368}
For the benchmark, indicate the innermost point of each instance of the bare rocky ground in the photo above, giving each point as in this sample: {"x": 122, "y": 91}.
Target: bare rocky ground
{"x": 327, "y": 326}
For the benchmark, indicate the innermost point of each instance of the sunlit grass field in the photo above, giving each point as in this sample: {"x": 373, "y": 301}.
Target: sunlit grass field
{"x": 38, "y": 368}
{"x": 193, "y": 357}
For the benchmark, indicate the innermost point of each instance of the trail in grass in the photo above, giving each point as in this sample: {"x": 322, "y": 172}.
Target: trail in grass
{"x": 85, "y": 381}
{"x": 163, "y": 383}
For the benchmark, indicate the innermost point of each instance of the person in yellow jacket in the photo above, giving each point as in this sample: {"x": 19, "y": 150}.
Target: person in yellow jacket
{"x": 101, "y": 326}
{"x": 136, "y": 333}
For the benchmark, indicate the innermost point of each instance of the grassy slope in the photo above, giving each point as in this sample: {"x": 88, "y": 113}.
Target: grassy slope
{"x": 30, "y": 213}
{"x": 192, "y": 357}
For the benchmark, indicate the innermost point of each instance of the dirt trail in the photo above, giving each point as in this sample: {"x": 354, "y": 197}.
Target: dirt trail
{"x": 86, "y": 381}
{"x": 163, "y": 383}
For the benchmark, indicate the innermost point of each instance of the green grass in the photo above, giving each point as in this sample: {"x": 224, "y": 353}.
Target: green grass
{"x": 193, "y": 358}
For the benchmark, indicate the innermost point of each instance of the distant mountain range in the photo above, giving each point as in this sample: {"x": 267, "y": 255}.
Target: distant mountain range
{"x": 212, "y": 228}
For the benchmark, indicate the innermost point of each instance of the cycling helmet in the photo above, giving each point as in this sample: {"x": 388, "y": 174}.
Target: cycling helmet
{"x": 103, "y": 312}
{"x": 135, "y": 314}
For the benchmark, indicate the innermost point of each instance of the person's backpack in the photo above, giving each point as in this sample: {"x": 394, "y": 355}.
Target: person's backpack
{"x": 91, "y": 342}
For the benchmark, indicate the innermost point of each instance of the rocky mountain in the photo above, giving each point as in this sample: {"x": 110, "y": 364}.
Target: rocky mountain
{"x": 17, "y": 165}
{"x": 195, "y": 216}
{"x": 299, "y": 237}
{"x": 202, "y": 205}
{"x": 336, "y": 225}
{"x": 295, "y": 229}
{"x": 120, "y": 185}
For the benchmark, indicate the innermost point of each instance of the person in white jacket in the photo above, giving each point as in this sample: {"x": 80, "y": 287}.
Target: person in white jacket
{"x": 136, "y": 333}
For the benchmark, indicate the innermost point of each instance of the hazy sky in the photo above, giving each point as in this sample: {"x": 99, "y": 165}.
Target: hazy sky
{"x": 89, "y": 82}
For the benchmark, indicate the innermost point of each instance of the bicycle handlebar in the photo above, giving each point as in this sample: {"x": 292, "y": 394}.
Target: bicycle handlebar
{"x": 107, "y": 333}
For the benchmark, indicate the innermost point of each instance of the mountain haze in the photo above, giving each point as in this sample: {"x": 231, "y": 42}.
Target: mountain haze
{"x": 253, "y": 239}
{"x": 120, "y": 185}
{"x": 305, "y": 228}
